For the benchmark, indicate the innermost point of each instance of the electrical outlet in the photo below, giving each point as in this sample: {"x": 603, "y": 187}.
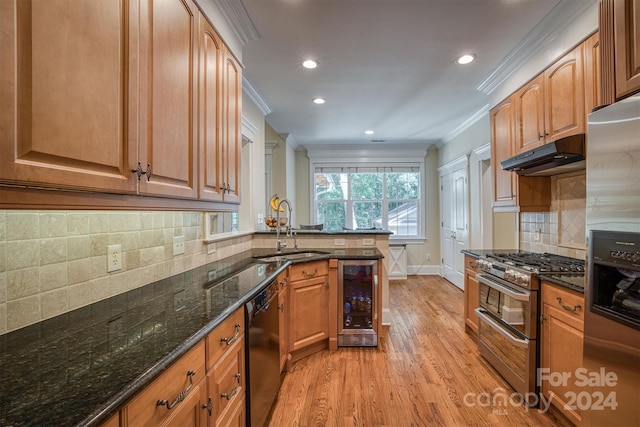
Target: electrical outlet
{"x": 178, "y": 245}
{"x": 114, "y": 258}
{"x": 428, "y": 257}
{"x": 339, "y": 242}
{"x": 367, "y": 242}
{"x": 537, "y": 235}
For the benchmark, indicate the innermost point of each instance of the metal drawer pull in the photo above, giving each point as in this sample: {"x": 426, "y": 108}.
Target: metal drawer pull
{"x": 304, "y": 273}
{"x": 234, "y": 391}
{"x": 567, "y": 307}
{"x": 233, "y": 339}
{"x": 181, "y": 395}
{"x": 208, "y": 406}
{"x": 138, "y": 171}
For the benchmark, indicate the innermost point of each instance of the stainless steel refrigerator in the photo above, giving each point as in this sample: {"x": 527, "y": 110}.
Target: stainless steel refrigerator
{"x": 611, "y": 377}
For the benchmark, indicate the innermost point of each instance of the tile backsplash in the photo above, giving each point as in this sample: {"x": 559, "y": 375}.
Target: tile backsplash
{"x": 52, "y": 262}
{"x": 561, "y": 230}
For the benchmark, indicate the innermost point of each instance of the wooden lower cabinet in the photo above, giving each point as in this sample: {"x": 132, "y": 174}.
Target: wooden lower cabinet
{"x": 561, "y": 347}
{"x": 191, "y": 412}
{"x": 470, "y": 294}
{"x": 227, "y": 384}
{"x": 187, "y": 372}
{"x": 308, "y": 308}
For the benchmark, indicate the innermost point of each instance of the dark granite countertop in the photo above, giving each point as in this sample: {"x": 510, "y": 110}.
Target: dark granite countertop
{"x": 573, "y": 281}
{"x": 327, "y": 232}
{"x": 80, "y": 367}
{"x": 477, "y": 253}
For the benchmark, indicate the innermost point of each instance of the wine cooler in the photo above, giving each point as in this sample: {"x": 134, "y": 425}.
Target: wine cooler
{"x": 358, "y": 303}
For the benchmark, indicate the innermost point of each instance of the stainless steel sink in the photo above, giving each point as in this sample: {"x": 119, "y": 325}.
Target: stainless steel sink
{"x": 290, "y": 256}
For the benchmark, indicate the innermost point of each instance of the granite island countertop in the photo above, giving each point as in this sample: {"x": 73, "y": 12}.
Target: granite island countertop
{"x": 80, "y": 367}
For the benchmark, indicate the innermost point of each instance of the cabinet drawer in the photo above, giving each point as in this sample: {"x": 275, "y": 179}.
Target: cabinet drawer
{"x": 143, "y": 410}
{"x": 227, "y": 381}
{"x": 224, "y": 336}
{"x": 569, "y": 302}
{"x": 308, "y": 270}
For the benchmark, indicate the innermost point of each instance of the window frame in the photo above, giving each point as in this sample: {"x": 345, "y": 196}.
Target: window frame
{"x": 368, "y": 165}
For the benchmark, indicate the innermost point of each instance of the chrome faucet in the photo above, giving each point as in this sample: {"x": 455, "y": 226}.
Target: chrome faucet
{"x": 289, "y": 232}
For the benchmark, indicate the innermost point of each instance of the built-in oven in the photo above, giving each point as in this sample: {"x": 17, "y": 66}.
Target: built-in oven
{"x": 507, "y": 331}
{"x": 612, "y": 329}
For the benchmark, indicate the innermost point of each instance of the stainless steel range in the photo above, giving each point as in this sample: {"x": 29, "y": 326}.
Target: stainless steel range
{"x": 508, "y": 310}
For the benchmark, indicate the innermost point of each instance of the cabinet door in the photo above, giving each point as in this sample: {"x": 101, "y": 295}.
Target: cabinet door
{"x": 63, "y": 96}
{"x": 168, "y": 58}
{"x": 308, "y": 312}
{"x": 564, "y": 96}
{"x": 470, "y": 295}
{"x": 561, "y": 348}
{"x": 227, "y": 382}
{"x": 529, "y": 102}
{"x": 502, "y": 138}
{"x": 592, "y": 89}
{"x": 627, "y": 46}
{"x": 232, "y": 127}
{"x": 210, "y": 147}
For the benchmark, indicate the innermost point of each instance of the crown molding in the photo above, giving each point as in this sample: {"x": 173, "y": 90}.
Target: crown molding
{"x": 254, "y": 96}
{"x": 551, "y": 26}
{"x": 238, "y": 19}
{"x": 466, "y": 124}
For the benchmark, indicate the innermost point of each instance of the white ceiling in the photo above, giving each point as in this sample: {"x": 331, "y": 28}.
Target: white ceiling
{"x": 388, "y": 65}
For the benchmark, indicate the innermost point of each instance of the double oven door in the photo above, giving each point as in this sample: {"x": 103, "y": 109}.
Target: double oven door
{"x": 507, "y": 331}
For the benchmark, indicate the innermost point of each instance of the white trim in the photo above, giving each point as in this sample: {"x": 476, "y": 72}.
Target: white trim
{"x": 478, "y": 115}
{"x": 248, "y": 129}
{"x": 386, "y": 317}
{"x": 549, "y": 29}
{"x": 254, "y": 96}
{"x": 423, "y": 270}
{"x": 459, "y": 163}
{"x": 400, "y": 153}
{"x": 484, "y": 152}
{"x": 238, "y": 19}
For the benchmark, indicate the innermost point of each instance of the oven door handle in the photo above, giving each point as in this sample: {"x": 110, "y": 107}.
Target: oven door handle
{"x": 500, "y": 329}
{"x": 520, "y": 296}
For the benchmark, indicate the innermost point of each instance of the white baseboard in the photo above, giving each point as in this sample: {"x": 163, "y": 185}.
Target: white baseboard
{"x": 423, "y": 270}
{"x": 386, "y": 317}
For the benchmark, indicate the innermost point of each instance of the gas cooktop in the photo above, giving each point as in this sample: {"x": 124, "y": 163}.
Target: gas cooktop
{"x": 538, "y": 262}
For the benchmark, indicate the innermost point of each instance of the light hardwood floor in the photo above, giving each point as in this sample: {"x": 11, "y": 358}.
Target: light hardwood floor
{"x": 426, "y": 372}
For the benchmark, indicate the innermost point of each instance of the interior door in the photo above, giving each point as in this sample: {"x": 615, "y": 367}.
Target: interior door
{"x": 460, "y": 223}
{"x": 446, "y": 227}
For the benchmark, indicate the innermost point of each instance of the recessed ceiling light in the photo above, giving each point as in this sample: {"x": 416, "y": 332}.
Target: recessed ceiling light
{"x": 310, "y": 64}
{"x": 465, "y": 59}
{"x": 319, "y": 100}
{"x": 369, "y": 132}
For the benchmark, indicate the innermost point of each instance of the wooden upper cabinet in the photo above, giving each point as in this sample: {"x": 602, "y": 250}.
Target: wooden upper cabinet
{"x": 592, "y": 87}
{"x": 564, "y": 96}
{"x": 626, "y": 23}
{"x": 64, "y": 99}
{"x": 167, "y": 57}
{"x": 530, "y": 117}
{"x": 232, "y": 127}
{"x": 210, "y": 147}
{"x": 502, "y": 139}
{"x": 552, "y": 105}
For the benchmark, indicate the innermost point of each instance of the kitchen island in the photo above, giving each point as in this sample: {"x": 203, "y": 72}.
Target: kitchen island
{"x": 79, "y": 368}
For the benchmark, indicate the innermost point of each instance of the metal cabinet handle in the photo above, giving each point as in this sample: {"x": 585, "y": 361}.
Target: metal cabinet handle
{"x": 234, "y": 391}
{"x": 138, "y": 171}
{"x": 181, "y": 395}
{"x": 304, "y": 273}
{"x": 568, "y": 307}
{"x": 208, "y": 406}
{"x": 234, "y": 338}
{"x": 281, "y": 307}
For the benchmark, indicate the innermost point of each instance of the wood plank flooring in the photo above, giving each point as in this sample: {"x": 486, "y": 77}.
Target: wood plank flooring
{"x": 426, "y": 372}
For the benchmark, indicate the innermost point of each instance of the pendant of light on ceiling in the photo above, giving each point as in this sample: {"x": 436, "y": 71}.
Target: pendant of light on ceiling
{"x": 465, "y": 59}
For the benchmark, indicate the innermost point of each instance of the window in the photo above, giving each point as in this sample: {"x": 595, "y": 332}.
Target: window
{"x": 369, "y": 197}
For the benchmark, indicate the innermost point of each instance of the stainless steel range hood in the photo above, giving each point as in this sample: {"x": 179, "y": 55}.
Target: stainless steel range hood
{"x": 554, "y": 158}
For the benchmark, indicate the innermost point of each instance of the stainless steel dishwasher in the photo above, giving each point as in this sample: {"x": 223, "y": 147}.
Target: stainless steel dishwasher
{"x": 263, "y": 354}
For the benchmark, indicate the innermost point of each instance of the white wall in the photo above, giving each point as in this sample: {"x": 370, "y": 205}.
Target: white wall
{"x": 252, "y": 168}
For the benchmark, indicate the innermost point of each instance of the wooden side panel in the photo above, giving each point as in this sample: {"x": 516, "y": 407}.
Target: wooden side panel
{"x": 607, "y": 54}
{"x": 168, "y": 101}
{"x": 592, "y": 73}
{"x": 63, "y": 94}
